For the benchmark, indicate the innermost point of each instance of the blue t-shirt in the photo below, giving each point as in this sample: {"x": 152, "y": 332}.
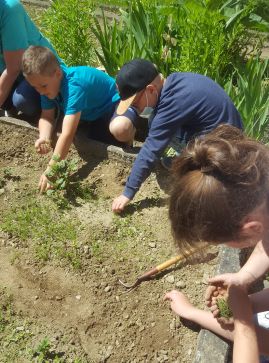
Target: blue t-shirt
{"x": 17, "y": 31}
{"x": 190, "y": 105}
{"x": 86, "y": 90}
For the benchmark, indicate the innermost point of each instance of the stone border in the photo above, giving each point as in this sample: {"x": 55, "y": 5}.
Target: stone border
{"x": 210, "y": 347}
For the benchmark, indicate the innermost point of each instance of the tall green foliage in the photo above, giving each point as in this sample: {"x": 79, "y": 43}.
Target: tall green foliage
{"x": 66, "y": 23}
{"x": 211, "y": 37}
{"x": 202, "y": 36}
{"x": 249, "y": 89}
{"x": 142, "y": 31}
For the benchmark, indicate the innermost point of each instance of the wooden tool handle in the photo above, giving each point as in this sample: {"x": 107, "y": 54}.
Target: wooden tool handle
{"x": 176, "y": 259}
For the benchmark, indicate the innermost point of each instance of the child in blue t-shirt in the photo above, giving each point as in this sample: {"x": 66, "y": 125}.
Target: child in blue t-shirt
{"x": 81, "y": 93}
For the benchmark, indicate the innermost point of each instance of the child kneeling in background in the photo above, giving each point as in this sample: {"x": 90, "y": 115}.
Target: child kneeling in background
{"x": 221, "y": 196}
{"x": 81, "y": 93}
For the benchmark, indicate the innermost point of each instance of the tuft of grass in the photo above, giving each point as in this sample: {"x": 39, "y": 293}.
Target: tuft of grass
{"x": 124, "y": 231}
{"x": 52, "y": 233}
{"x": 6, "y": 311}
{"x": 15, "y": 333}
{"x": 224, "y": 309}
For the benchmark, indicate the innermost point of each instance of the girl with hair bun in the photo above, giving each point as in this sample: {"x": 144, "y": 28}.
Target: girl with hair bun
{"x": 220, "y": 195}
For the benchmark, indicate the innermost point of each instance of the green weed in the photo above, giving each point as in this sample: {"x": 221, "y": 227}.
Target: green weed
{"x": 60, "y": 172}
{"x": 8, "y": 174}
{"x": 65, "y": 187}
{"x": 14, "y": 333}
{"x": 44, "y": 353}
{"x": 249, "y": 90}
{"x": 6, "y": 311}
{"x": 52, "y": 233}
{"x": 123, "y": 228}
{"x": 224, "y": 309}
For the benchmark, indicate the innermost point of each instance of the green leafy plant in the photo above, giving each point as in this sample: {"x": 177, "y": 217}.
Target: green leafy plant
{"x": 141, "y": 31}
{"x": 224, "y": 309}
{"x": 44, "y": 353}
{"x": 65, "y": 186}
{"x": 8, "y": 174}
{"x": 66, "y": 23}
{"x": 249, "y": 90}
{"x": 207, "y": 37}
{"x": 60, "y": 172}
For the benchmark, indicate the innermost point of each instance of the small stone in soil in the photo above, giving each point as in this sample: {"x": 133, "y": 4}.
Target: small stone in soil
{"x": 170, "y": 279}
{"x": 180, "y": 284}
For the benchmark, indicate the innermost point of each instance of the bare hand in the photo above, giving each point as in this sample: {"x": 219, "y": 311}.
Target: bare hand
{"x": 42, "y": 146}
{"x": 44, "y": 184}
{"x": 241, "y": 278}
{"x": 180, "y": 304}
{"x": 120, "y": 203}
{"x": 213, "y": 293}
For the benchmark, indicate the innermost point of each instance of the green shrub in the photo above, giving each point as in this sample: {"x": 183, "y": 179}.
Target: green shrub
{"x": 66, "y": 23}
{"x": 249, "y": 90}
{"x": 206, "y": 37}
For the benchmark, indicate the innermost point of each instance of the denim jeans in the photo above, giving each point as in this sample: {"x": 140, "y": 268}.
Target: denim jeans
{"x": 23, "y": 97}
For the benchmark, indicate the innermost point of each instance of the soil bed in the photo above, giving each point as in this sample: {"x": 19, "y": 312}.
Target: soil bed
{"x": 59, "y": 288}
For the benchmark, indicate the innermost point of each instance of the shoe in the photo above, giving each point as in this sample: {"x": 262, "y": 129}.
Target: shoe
{"x": 167, "y": 162}
{"x": 11, "y": 113}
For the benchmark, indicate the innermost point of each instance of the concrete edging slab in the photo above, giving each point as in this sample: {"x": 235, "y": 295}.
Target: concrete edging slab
{"x": 210, "y": 347}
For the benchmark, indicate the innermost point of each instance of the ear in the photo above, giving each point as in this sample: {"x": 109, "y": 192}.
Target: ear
{"x": 58, "y": 72}
{"x": 151, "y": 88}
{"x": 252, "y": 228}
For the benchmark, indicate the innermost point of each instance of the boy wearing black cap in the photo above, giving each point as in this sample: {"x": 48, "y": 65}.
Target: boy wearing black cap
{"x": 179, "y": 108}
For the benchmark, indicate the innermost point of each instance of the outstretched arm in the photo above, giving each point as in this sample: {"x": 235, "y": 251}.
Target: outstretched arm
{"x": 255, "y": 267}
{"x": 258, "y": 263}
{"x": 70, "y": 124}
{"x": 45, "y": 126}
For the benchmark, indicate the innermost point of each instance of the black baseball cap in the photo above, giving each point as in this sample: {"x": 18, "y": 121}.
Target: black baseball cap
{"x": 132, "y": 78}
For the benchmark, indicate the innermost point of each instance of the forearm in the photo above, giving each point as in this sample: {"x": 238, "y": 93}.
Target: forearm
{"x": 257, "y": 264}
{"x": 7, "y": 80}
{"x": 70, "y": 123}
{"x": 62, "y": 147}
{"x": 245, "y": 348}
{"x": 45, "y": 127}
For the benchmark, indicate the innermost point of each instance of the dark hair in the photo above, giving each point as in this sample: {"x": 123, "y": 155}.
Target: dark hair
{"x": 218, "y": 180}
